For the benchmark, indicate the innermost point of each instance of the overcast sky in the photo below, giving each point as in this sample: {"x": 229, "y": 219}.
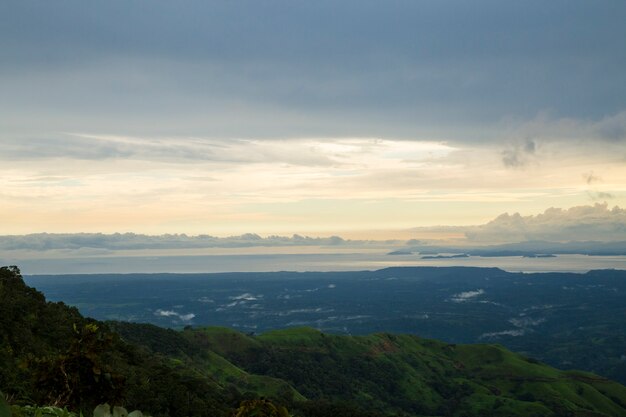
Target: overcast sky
{"x": 317, "y": 117}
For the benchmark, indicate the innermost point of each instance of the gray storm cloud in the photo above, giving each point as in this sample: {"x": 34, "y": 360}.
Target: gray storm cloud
{"x": 283, "y": 69}
{"x": 519, "y": 155}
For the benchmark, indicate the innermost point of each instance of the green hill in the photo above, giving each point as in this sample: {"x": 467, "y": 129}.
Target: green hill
{"x": 418, "y": 376}
{"x": 50, "y": 354}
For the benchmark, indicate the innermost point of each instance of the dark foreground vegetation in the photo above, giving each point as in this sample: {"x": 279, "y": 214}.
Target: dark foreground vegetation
{"x": 51, "y": 355}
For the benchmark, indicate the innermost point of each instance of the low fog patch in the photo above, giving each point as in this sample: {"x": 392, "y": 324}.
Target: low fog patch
{"x": 174, "y": 314}
{"x": 466, "y": 296}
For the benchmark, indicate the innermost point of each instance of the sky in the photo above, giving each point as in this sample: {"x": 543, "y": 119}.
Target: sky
{"x": 365, "y": 119}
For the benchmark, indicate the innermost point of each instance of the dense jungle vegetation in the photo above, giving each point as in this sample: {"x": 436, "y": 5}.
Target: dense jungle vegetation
{"x": 51, "y": 355}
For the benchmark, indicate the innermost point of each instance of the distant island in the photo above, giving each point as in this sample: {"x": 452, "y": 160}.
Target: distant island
{"x": 401, "y": 252}
{"x": 539, "y": 249}
{"x": 461, "y": 255}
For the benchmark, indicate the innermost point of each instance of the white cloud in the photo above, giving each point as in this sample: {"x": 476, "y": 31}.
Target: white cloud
{"x": 597, "y": 222}
{"x": 466, "y": 296}
{"x": 496, "y": 335}
{"x": 132, "y": 241}
{"x": 320, "y": 152}
{"x": 524, "y": 322}
{"x": 246, "y": 297}
{"x": 165, "y": 313}
{"x": 171, "y": 313}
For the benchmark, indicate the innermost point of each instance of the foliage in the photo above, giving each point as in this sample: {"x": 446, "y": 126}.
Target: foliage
{"x": 52, "y": 355}
{"x": 80, "y": 376}
{"x": 567, "y": 320}
{"x": 406, "y": 374}
{"x": 260, "y": 408}
{"x": 5, "y": 410}
{"x": 46, "y": 411}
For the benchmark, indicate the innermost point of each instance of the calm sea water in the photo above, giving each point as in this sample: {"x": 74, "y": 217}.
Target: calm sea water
{"x": 302, "y": 262}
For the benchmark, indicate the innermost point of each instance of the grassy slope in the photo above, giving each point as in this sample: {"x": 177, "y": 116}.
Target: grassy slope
{"x": 417, "y": 375}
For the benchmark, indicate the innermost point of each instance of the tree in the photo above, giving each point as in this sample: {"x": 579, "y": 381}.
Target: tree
{"x": 260, "y": 408}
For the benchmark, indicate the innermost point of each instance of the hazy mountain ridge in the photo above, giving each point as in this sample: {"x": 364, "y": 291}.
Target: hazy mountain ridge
{"x": 206, "y": 371}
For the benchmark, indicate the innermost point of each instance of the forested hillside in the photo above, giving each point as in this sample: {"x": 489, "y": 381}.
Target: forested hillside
{"x": 567, "y": 320}
{"x": 50, "y": 354}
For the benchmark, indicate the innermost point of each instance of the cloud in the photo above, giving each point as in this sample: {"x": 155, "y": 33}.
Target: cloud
{"x": 593, "y": 222}
{"x": 320, "y": 67}
{"x": 597, "y": 222}
{"x": 601, "y": 131}
{"x": 496, "y": 335}
{"x": 523, "y": 325}
{"x": 612, "y": 127}
{"x": 246, "y": 297}
{"x": 168, "y": 149}
{"x": 466, "y": 296}
{"x": 600, "y": 195}
{"x": 132, "y": 241}
{"x": 303, "y": 116}
{"x": 519, "y": 155}
{"x": 161, "y": 153}
{"x": 595, "y": 195}
{"x": 171, "y": 313}
{"x": 590, "y": 178}
{"x": 584, "y": 223}
{"x": 524, "y": 322}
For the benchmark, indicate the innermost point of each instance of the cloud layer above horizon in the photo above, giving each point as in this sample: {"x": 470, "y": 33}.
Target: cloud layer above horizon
{"x": 597, "y": 223}
{"x": 283, "y": 117}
